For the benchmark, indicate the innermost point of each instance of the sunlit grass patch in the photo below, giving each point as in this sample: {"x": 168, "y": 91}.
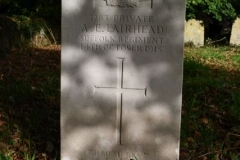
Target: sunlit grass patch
{"x": 30, "y": 105}
{"x": 30, "y": 99}
{"x": 210, "y": 103}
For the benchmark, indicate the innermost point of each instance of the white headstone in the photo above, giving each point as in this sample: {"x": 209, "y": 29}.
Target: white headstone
{"x": 235, "y": 35}
{"x": 194, "y": 32}
{"x": 121, "y": 81}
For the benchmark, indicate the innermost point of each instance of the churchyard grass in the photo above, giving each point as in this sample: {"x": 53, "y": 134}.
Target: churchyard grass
{"x": 30, "y": 99}
{"x": 211, "y": 108}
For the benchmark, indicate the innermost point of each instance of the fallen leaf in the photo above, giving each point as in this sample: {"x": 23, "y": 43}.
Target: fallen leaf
{"x": 190, "y": 140}
{"x": 205, "y": 121}
{"x": 202, "y": 158}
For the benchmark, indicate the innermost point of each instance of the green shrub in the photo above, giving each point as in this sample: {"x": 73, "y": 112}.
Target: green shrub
{"x": 21, "y": 31}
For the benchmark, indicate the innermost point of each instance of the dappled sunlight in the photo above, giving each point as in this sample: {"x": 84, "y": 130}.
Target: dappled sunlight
{"x": 123, "y": 82}
{"x": 71, "y": 55}
{"x": 70, "y": 6}
{"x": 102, "y": 72}
{"x": 29, "y": 103}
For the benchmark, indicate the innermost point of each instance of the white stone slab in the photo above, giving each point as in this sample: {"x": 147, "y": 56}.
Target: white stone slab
{"x": 121, "y": 81}
{"x": 194, "y": 32}
{"x": 235, "y": 35}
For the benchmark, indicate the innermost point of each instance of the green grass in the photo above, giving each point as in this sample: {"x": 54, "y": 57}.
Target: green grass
{"x": 211, "y": 107}
{"x": 30, "y": 104}
{"x": 30, "y": 99}
{"x": 236, "y": 58}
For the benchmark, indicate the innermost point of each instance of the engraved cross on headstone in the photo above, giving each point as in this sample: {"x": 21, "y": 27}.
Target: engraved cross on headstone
{"x": 120, "y": 91}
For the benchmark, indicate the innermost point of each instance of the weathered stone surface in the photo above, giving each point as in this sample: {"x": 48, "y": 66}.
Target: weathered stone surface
{"x": 235, "y": 34}
{"x": 194, "y": 32}
{"x": 121, "y": 81}
{"x": 41, "y": 39}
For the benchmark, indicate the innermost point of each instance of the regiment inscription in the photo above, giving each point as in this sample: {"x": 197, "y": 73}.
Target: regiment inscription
{"x": 121, "y": 79}
{"x": 106, "y": 24}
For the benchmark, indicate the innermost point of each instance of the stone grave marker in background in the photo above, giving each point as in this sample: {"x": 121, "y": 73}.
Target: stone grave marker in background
{"x": 41, "y": 39}
{"x": 194, "y": 32}
{"x": 235, "y": 34}
{"x": 121, "y": 79}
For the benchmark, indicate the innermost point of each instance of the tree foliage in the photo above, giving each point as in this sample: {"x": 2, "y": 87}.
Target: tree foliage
{"x": 236, "y": 5}
{"x": 211, "y": 9}
{"x": 50, "y": 10}
{"x": 33, "y": 15}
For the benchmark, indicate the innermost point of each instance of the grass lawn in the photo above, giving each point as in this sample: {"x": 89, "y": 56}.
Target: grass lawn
{"x": 30, "y": 100}
{"x": 211, "y": 104}
{"x": 30, "y": 104}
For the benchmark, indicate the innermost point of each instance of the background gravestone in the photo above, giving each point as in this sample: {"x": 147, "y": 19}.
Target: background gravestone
{"x": 235, "y": 35}
{"x": 121, "y": 81}
{"x": 194, "y": 32}
{"x": 41, "y": 39}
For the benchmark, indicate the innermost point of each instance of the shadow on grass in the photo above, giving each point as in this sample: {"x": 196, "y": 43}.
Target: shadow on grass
{"x": 30, "y": 97}
{"x": 30, "y": 100}
{"x": 211, "y": 109}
